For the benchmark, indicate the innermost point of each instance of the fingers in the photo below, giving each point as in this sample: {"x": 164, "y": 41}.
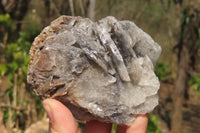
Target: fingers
{"x": 138, "y": 126}
{"x": 61, "y": 119}
{"x": 97, "y": 127}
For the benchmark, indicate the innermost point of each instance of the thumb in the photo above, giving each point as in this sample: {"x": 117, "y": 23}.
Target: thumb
{"x": 61, "y": 119}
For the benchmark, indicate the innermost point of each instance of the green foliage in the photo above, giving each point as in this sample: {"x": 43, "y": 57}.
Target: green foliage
{"x": 152, "y": 124}
{"x": 16, "y": 63}
{"x": 24, "y": 41}
{"x": 12, "y": 66}
{"x": 195, "y": 83}
{"x": 5, "y": 20}
{"x": 3, "y": 69}
{"x": 9, "y": 94}
{"x": 6, "y": 115}
{"x": 17, "y": 55}
{"x": 162, "y": 70}
{"x": 10, "y": 78}
{"x": 114, "y": 127}
{"x": 24, "y": 103}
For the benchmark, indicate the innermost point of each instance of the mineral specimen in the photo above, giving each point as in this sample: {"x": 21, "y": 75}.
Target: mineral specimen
{"x": 100, "y": 70}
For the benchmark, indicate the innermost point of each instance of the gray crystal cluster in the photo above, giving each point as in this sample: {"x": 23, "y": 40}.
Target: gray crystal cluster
{"x": 100, "y": 70}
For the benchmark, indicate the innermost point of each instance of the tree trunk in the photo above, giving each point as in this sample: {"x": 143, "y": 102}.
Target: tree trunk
{"x": 180, "y": 87}
{"x": 72, "y": 7}
{"x": 187, "y": 51}
{"x": 179, "y": 75}
{"x": 92, "y": 9}
{"x": 82, "y": 8}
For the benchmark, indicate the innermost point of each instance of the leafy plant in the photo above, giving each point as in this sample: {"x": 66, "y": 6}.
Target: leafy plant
{"x": 3, "y": 69}
{"x": 195, "y": 83}
{"x": 14, "y": 70}
{"x": 6, "y": 115}
{"x": 16, "y": 56}
{"x": 5, "y": 20}
{"x": 152, "y": 125}
{"x": 9, "y": 94}
{"x": 162, "y": 70}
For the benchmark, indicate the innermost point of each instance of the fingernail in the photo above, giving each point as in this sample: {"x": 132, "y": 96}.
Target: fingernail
{"x": 47, "y": 109}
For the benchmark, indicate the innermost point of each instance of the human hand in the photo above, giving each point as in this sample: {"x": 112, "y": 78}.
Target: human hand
{"x": 62, "y": 121}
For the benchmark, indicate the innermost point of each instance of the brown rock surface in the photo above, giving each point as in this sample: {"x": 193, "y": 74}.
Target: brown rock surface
{"x": 100, "y": 70}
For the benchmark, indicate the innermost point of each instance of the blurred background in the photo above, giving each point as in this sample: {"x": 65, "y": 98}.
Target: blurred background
{"x": 174, "y": 24}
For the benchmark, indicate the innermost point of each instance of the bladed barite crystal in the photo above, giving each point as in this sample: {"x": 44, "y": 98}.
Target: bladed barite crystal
{"x": 100, "y": 70}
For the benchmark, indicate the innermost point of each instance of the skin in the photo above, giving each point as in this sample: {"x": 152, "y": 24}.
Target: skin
{"x": 62, "y": 121}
